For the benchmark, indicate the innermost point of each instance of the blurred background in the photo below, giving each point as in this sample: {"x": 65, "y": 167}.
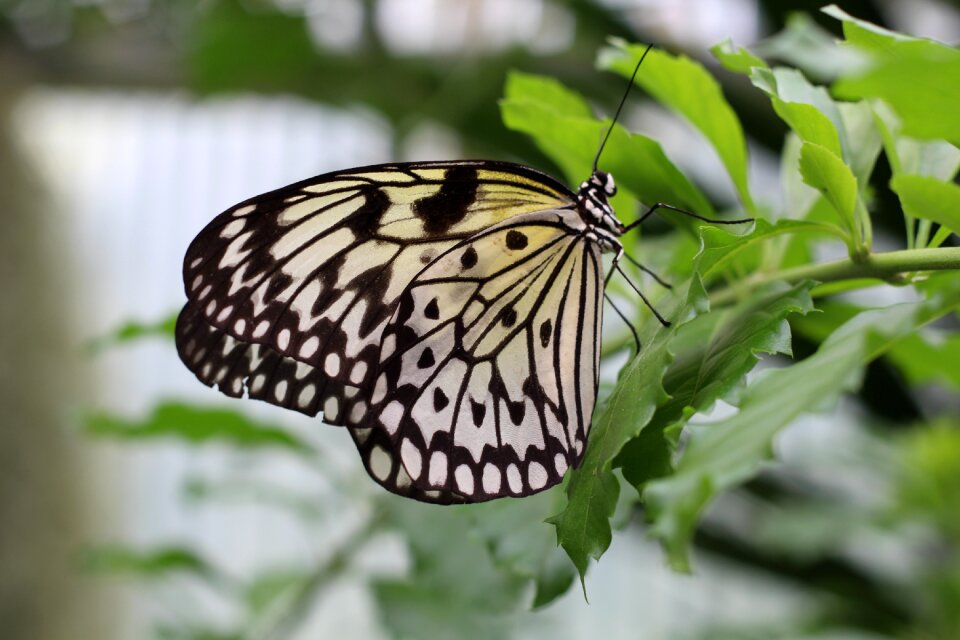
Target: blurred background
{"x": 125, "y": 125}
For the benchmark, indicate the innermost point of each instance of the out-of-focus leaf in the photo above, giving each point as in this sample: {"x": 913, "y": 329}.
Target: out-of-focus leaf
{"x": 798, "y": 197}
{"x": 684, "y": 86}
{"x": 930, "y": 356}
{"x": 863, "y": 34}
{"x": 724, "y": 454}
{"x": 911, "y": 74}
{"x": 270, "y": 587}
{"x": 515, "y": 534}
{"x": 189, "y": 632}
{"x": 929, "y": 485}
{"x": 808, "y": 46}
{"x": 929, "y": 199}
{"x": 583, "y": 526}
{"x": 561, "y": 130}
{"x": 195, "y": 426}
{"x": 934, "y": 158}
{"x": 864, "y": 141}
{"x": 302, "y": 504}
{"x": 133, "y": 330}
{"x": 713, "y": 353}
{"x": 824, "y": 171}
{"x": 454, "y": 585}
{"x": 154, "y": 563}
{"x": 736, "y": 59}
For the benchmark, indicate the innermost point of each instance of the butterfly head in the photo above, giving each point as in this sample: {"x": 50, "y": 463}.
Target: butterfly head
{"x": 593, "y": 204}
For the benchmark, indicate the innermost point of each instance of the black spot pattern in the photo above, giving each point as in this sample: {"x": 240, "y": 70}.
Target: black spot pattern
{"x": 449, "y": 205}
{"x": 516, "y": 410}
{"x": 516, "y": 240}
{"x": 478, "y": 410}
{"x": 509, "y": 317}
{"x": 440, "y": 399}
{"x": 432, "y": 310}
{"x": 468, "y": 259}
{"x": 426, "y": 359}
{"x": 546, "y": 330}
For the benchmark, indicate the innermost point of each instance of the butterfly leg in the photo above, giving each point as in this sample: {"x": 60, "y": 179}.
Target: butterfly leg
{"x": 663, "y": 283}
{"x": 615, "y": 267}
{"x": 636, "y": 338}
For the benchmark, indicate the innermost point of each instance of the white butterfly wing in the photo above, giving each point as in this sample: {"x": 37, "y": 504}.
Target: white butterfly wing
{"x": 488, "y": 368}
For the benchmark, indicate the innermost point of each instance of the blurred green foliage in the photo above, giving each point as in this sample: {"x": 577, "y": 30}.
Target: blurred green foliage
{"x": 740, "y": 294}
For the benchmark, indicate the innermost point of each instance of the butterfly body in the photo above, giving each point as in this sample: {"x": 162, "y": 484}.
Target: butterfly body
{"x": 447, "y": 313}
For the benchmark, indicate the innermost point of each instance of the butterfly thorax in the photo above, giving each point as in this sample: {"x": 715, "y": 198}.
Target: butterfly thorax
{"x": 596, "y": 211}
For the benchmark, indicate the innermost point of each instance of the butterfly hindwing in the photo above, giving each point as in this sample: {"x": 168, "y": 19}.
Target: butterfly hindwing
{"x": 488, "y": 367}
{"x": 313, "y": 270}
{"x": 233, "y": 366}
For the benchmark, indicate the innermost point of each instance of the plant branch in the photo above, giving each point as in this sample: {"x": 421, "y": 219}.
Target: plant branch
{"x": 880, "y": 266}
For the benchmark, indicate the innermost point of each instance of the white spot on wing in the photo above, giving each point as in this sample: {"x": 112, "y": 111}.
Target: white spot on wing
{"x": 306, "y": 395}
{"x": 380, "y": 463}
{"x": 464, "y": 478}
{"x": 380, "y": 389}
{"x": 280, "y": 391}
{"x": 536, "y": 476}
{"x": 332, "y": 364}
{"x": 232, "y": 229}
{"x": 283, "y": 339}
{"x": 491, "y": 478}
{"x": 391, "y": 416}
{"x": 331, "y": 408}
{"x": 411, "y": 458}
{"x": 560, "y": 463}
{"x": 513, "y": 478}
{"x": 357, "y": 412}
{"x": 358, "y": 373}
{"x": 438, "y": 468}
{"x": 309, "y": 347}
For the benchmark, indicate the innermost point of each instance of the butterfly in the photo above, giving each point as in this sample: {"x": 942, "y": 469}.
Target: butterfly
{"x": 448, "y": 314}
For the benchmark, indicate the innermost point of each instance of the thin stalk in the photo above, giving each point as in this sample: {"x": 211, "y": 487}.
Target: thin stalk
{"x": 882, "y": 266}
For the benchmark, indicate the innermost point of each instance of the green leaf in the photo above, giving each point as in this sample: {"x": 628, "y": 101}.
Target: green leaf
{"x": 805, "y": 44}
{"x": 807, "y": 109}
{"x": 936, "y": 158}
{"x": 722, "y": 455}
{"x": 271, "y": 587}
{"x": 514, "y": 534}
{"x": 713, "y": 353}
{"x": 195, "y": 426}
{"x": 570, "y": 139}
{"x": 153, "y": 564}
{"x": 824, "y": 171}
{"x": 863, "y": 34}
{"x": 548, "y": 92}
{"x": 722, "y": 247}
{"x": 132, "y": 331}
{"x": 736, "y": 59}
{"x": 454, "y": 582}
{"x": 911, "y": 74}
{"x": 684, "y": 86}
{"x": 583, "y": 526}
{"x": 929, "y": 199}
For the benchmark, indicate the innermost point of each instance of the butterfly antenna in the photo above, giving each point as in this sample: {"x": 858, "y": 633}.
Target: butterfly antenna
{"x": 623, "y": 100}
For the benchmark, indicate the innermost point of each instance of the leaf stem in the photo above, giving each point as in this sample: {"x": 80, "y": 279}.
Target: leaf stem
{"x": 882, "y": 266}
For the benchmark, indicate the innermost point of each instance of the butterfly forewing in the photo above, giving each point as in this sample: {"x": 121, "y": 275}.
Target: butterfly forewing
{"x": 488, "y": 367}
{"x": 313, "y": 270}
